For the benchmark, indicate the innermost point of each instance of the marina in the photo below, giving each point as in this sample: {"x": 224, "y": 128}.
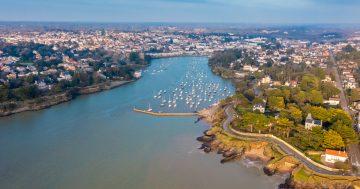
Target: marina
{"x": 192, "y": 92}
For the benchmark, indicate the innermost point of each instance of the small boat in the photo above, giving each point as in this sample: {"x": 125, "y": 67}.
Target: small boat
{"x": 149, "y": 109}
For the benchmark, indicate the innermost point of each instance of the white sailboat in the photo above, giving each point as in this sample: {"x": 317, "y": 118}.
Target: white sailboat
{"x": 149, "y": 109}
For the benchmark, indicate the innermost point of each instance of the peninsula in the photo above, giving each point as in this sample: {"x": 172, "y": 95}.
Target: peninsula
{"x": 287, "y": 114}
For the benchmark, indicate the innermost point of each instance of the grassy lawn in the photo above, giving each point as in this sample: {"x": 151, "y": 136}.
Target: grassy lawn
{"x": 301, "y": 175}
{"x": 306, "y": 176}
{"x": 315, "y": 157}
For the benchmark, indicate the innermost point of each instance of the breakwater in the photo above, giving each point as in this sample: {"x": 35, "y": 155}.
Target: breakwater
{"x": 165, "y": 114}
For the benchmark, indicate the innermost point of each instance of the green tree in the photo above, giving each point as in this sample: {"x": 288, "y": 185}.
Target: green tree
{"x": 27, "y": 92}
{"x": 257, "y": 100}
{"x": 320, "y": 113}
{"x": 276, "y": 103}
{"x": 315, "y": 97}
{"x": 274, "y": 92}
{"x": 249, "y": 94}
{"x": 254, "y": 122}
{"x": 328, "y": 90}
{"x": 341, "y": 115}
{"x": 308, "y": 140}
{"x": 309, "y": 82}
{"x": 241, "y": 100}
{"x": 347, "y": 133}
{"x": 317, "y": 138}
{"x": 332, "y": 140}
{"x": 4, "y": 93}
{"x": 295, "y": 113}
{"x": 284, "y": 125}
{"x": 286, "y": 94}
{"x": 300, "y": 97}
{"x": 135, "y": 57}
{"x": 318, "y": 72}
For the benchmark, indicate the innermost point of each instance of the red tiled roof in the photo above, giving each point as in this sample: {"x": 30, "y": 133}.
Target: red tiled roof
{"x": 336, "y": 153}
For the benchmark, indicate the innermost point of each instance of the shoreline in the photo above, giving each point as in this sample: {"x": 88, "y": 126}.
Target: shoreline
{"x": 272, "y": 158}
{"x": 44, "y": 102}
{"x": 169, "y": 55}
{"x": 15, "y": 107}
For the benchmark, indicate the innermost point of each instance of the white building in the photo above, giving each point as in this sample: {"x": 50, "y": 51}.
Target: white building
{"x": 265, "y": 80}
{"x": 332, "y": 156}
{"x": 250, "y": 68}
{"x": 311, "y": 123}
{"x": 350, "y": 85}
{"x": 332, "y": 101}
{"x": 259, "y": 107}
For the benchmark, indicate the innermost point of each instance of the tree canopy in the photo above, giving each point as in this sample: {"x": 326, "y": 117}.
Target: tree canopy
{"x": 332, "y": 140}
{"x": 276, "y": 103}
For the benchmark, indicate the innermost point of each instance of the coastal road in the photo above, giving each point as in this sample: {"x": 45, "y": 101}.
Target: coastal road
{"x": 226, "y": 126}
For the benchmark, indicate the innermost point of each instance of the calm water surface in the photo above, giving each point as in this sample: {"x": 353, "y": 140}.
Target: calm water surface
{"x": 96, "y": 141}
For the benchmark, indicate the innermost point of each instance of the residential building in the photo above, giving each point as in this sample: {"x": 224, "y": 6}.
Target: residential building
{"x": 310, "y": 123}
{"x": 332, "y": 156}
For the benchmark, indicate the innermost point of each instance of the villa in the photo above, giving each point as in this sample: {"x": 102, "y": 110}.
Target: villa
{"x": 310, "y": 123}
{"x": 332, "y": 156}
{"x": 260, "y": 107}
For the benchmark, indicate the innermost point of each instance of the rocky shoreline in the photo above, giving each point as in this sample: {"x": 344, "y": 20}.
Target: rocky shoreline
{"x": 273, "y": 159}
{"x": 13, "y": 107}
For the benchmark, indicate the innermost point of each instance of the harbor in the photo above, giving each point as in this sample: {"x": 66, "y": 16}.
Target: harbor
{"x": 193, "y": 91}
{"x": 100, "y": 142}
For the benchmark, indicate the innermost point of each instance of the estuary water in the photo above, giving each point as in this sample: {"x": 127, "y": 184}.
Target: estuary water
{"x": 97, "y": 141}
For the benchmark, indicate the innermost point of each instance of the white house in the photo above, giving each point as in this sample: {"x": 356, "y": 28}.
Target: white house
{"x": 250, "y": 68}
{"x": 332, "y": 156}
{"x": 311, "y": 123}
{"x": 260, "y": 107}
{"x": 332, "y": 101}
{"x": 265, "y": 80}
{"x": 350, "y": 85}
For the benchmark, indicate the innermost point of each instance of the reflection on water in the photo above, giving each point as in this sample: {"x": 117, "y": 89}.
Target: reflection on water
{"x": 96, "y": 141}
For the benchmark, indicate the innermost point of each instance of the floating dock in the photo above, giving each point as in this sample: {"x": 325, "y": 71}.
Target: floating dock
{"x": 164, "y": 114}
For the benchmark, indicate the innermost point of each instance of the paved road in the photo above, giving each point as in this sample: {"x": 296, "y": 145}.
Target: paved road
{"x": 343, "y": 99}
{"x": 230, "y": 116}
{"x": 353, "y": 150}
{"x": 354, "y": 154}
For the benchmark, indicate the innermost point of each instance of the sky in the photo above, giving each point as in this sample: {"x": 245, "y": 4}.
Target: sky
{"x": 186, "y": 11}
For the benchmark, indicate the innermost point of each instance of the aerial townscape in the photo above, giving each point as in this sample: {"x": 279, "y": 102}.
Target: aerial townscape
{"x": 301, "y": 95}
{"x": 180, "y": 94}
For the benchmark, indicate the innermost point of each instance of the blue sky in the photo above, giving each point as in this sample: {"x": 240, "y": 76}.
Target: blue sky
{"x": 218, "y": 11}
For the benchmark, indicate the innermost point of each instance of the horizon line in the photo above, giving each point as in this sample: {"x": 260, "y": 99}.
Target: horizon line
{"x": 181, "y": 22}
